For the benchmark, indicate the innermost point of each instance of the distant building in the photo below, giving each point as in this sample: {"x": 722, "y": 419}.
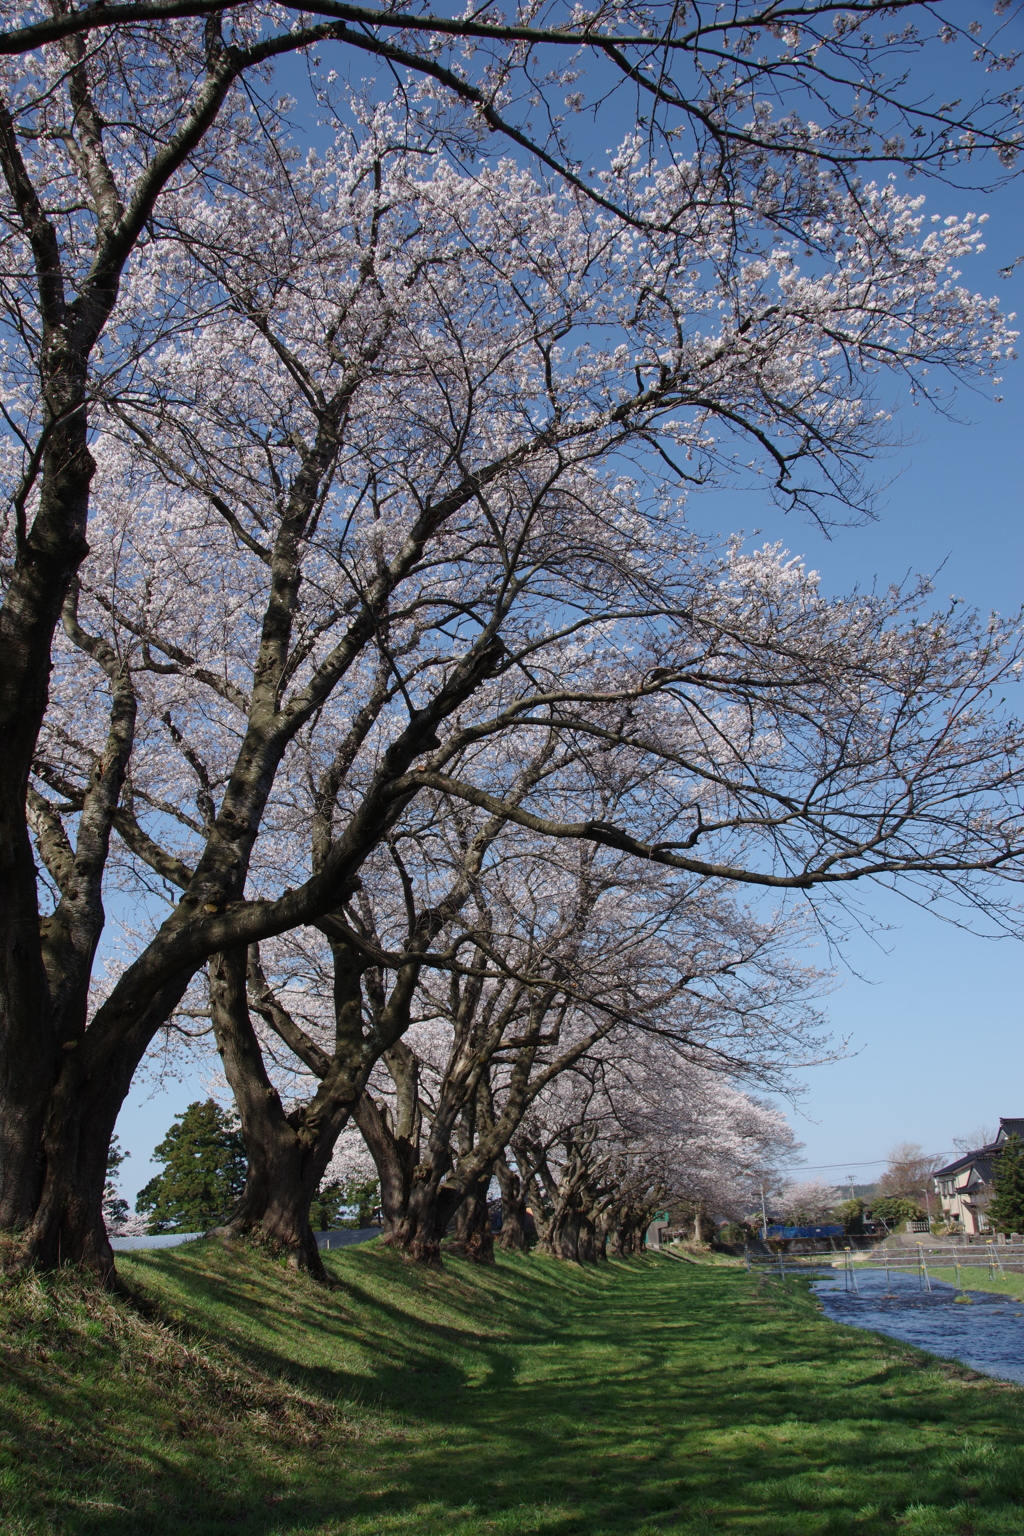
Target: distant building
{"x": 964, "y": 1187}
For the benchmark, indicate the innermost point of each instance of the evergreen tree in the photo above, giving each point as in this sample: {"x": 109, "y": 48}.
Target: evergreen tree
{"x": 115, "y": 1206}
{"x": 361, "y": 1199}
{"x": 327, "y": 1208}
{"x": 1006, "y": 1208}
{"x": 204, "y": 1172}
{"x": 352, "y": 1203}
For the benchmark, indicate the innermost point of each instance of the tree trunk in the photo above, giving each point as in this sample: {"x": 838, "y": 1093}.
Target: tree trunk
{"x": 429, "y": 1209}
{"x": 586, "y": 1240}
{"x": 473, "y": 1235}
{"x": 561, "y": 1240}
{"x": 513, "y": 1237}
{"x": 626, "y": 1239}
{"x": 288, "y": 1153}
{"x": 394, "y": 1158}
{"x": 47, "y": 560}
{"x": 66, "y": 1225}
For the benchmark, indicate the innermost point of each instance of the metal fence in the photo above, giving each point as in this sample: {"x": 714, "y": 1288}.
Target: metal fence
{"x": 995, "y": 1259}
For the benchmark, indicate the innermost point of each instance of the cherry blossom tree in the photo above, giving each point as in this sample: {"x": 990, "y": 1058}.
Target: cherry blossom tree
{"x": 807, "y": 1201}
{"x": 621, "y": 1135}
{"x": 571, "y": 958}
{"x": 364, "y": 528}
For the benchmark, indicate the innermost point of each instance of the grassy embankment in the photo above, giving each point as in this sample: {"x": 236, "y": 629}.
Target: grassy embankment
{"x": 977, "y": 1278}
{"x": 648, "y": 1398}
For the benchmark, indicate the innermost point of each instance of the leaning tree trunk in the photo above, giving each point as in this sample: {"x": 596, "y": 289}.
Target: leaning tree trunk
{"x": 288, "y": 1153}
{"x": 394, "y": 1158}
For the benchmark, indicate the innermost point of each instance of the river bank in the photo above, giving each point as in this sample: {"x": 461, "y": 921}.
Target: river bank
{"x": 644, "y": 1398}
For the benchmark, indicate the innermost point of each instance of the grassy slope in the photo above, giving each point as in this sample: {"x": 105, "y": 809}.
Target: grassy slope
{"x": 978, "y": 1279}
{"x": 646, "y": 1397}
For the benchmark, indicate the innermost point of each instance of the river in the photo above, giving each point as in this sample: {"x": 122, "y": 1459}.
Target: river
{"x": 985, "y": 1333}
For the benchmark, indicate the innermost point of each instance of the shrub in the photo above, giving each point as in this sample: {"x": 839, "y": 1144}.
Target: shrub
{"x": 895, "y": 1209}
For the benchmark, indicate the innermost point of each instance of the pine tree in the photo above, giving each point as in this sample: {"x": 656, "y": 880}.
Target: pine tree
{"x": 353, "y": 1203}
{"x": 204, "y": 1172}
{"x": 115, "y": 1206}
{"x": 1006, "y": 1208}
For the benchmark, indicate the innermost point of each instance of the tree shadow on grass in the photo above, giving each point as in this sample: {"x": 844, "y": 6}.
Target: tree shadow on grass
{"x": 536, "y": 1398}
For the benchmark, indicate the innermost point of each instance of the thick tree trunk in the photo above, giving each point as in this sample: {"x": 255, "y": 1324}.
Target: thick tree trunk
{"x": 626, "y": 1239}
{"x": 568, "y": 1237}
{"x": 473, "y": 1235}
{"x": 287, "y": 1154}
{"x": 31, "y": 1040}
{"x": 560, "y": 1238}
{"x": 394, "y": 1158}
{"x": 513, "y": 1237}
{"x": 66, "y": 1225}
{"x": 279, "y": 1187}
{"x": 586, "y": 1240}
{"x": 429, "y": 1209}
{"x": 417, "y": 1201}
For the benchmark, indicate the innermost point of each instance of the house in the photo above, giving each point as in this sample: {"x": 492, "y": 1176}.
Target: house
{"x": 964, "y": 1186}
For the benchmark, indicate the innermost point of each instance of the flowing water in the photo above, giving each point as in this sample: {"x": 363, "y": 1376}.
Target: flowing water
{"x": 985, "y": 1333}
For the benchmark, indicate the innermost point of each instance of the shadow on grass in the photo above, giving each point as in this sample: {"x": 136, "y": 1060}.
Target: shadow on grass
{"x": 640, "y": 1398}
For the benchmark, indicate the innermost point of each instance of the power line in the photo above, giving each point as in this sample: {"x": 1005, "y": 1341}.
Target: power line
{"x": 871, "y": 1162}
{"x": 820, "y": 1167}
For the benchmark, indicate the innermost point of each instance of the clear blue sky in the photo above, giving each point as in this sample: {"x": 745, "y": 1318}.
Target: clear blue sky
{"x": 935, "y": 1015}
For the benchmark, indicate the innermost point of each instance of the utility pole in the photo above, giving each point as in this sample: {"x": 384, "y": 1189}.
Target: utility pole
{"x": 764, "y": 1217}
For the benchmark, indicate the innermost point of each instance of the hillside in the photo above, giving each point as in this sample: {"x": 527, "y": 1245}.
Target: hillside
{"x": 645, "y": 1397}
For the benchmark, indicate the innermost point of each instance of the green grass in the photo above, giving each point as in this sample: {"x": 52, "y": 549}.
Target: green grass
{"x": 646, "y": 1398}
{"x": 978, "y": 1279}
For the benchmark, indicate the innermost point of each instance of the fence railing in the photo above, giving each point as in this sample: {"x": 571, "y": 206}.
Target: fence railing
{"x": 995, "y": 1258}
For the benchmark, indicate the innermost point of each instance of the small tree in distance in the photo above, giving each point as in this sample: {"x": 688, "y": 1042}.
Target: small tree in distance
{"x": 204, "y": 1172}
{"x": 1006, "y": 1208}
{"x": 352, "y": 1202}
{"x": 896, "y": 1209}
{"x": 809, "y": 1203}
{"x": 851, "y": 1214}
{"x": 908, "y": 1176}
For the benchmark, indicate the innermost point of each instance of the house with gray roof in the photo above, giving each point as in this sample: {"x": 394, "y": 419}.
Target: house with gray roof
{"x": 964, "y": 1186}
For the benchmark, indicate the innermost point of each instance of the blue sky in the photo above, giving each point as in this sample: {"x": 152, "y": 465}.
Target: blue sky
{"x": 934, "y": 1015}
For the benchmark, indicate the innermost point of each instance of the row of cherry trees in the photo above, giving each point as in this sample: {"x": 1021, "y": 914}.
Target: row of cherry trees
{"x": 585, "y": 1013}
{"x": 357, "y": 653}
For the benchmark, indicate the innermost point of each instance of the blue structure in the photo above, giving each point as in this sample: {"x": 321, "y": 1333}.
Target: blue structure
{"x": 789, "y": 1232}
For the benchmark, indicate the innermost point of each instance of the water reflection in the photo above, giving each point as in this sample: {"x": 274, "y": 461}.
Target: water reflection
{"x": 987, "y": 1333}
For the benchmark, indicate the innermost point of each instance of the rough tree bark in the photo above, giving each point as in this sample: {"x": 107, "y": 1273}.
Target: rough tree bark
{"x": 55, "y": 1096}
{"x": 514, "y": 1236}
